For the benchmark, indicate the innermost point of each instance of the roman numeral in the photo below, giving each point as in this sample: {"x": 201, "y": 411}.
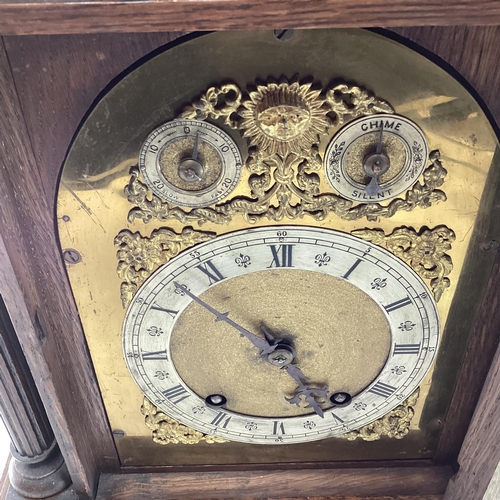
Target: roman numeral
{"x": 149, "y": 356}
{"x": 214, "y": 275}
{"x": 351, "y": 269}
{"x": 172, "y": 313}
{"x": 176, "y": 394}
{"x": 278, "y": 427}
{"x": 283, "y": 260}
{"x": 381, "y": 389}
{"x": 406, "y": 348}
{"x": 219, "y": 418}
{"x": 398, "y": 304}
{"x": 338, "y": 419}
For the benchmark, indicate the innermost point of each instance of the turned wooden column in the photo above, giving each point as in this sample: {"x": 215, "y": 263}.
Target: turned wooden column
{"x": 37, "y": 468}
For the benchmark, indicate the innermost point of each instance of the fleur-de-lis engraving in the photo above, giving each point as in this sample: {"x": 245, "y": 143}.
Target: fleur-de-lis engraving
{"x": 199, "y": 409}
{"x": 378, "y": 283}
{"x": 406, "y": 326}
{"x": 398, "y": 370}
{"x": 154, "y": 331}
{"x": 335, "y": 160}
{"x": 309, "y": 425}
{"x": 322, "y": 260}
{"x": 243, "y": 260}
{"x": 359, "y": 406}
{"x": 181, "y": 292}
{"x": 418, "y": 159}
{"x": 161, "y": 375}
{"x": 250, "y": 426}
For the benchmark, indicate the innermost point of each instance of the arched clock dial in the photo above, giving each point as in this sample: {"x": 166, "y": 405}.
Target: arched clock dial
{"x": 376, "y": 158}
{"x": 190, "y": 163}
{"x": 203, "y": 325}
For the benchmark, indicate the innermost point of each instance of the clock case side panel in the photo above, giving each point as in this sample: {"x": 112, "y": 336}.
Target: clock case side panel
{"x": 38, "y": 297}
{"x": 48, "y": 84}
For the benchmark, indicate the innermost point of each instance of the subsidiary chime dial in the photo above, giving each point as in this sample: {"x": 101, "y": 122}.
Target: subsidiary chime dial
{"x": 190, "y": 163}
{"x": 376, "y": 158}
{"x": 259, "y": 335}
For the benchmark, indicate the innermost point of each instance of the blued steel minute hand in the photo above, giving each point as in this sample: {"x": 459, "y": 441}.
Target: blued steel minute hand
{"x": 265, "y": 347}
{"x": 268, "y": 346}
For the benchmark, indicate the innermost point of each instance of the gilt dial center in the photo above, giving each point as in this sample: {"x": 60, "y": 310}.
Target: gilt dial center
{"x": 361, "y": 156}
{"x": 341, "y": 338}
{"x": 183, "y": 172}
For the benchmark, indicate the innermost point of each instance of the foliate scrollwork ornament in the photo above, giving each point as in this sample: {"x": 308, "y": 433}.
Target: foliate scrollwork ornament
{"x": 424, "y": 251}
{"x": 353, "y": 101}
{"x": 283, "y": 123}
{"x": 148, "y": 209}
{"x": 166, "y": 430}
{"x": 217, "y": 102}
{"x": 139, "y": 256}
{"x": 396, "y": 424}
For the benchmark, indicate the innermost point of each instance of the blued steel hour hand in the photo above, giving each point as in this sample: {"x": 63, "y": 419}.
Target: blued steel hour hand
{"x": 311, "y": 394}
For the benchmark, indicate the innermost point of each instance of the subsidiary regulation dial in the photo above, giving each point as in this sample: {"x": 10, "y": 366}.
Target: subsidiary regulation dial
{"x": 190, "y": 163}
{"x": 376, "y": 158}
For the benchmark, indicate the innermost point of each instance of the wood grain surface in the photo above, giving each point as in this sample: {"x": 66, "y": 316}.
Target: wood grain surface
{"x": 480, "y": 453}
{"x": 397, "y": 497}
{"x": 71, "y": 17}
{"x": 298, "y": 483}
{"x": 476, "y": 362}
{"x": 38, "y": 298}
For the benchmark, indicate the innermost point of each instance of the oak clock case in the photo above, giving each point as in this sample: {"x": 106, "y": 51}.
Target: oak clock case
{"x": 332, "y": 82}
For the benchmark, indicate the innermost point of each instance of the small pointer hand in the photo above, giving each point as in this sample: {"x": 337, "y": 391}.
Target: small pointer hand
{"x": 375, "y": 165}
{"x": 195, "y": 150}
{"x": 379, "y": 143}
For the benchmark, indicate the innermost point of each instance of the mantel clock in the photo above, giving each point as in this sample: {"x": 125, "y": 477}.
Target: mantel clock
{"x": 270, "y": 247}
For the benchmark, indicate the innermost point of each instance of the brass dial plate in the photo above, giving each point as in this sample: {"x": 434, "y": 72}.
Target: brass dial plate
{"x": 92, "y": 210}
